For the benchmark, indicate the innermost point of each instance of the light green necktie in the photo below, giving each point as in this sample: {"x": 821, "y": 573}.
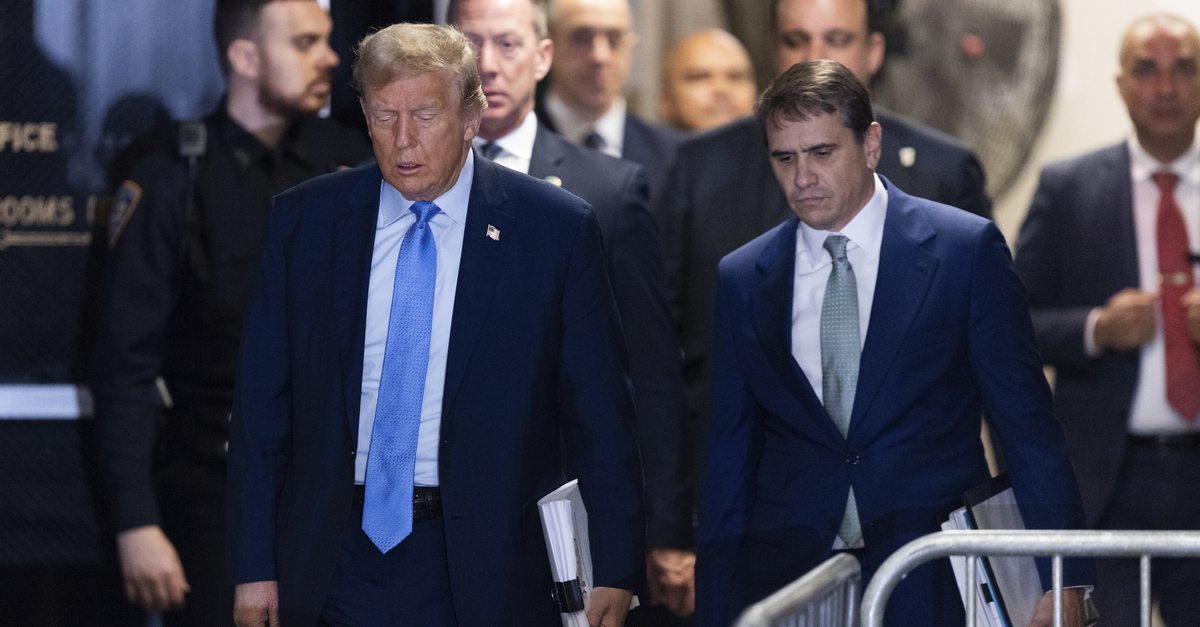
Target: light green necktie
{"x": 839, "y": 359}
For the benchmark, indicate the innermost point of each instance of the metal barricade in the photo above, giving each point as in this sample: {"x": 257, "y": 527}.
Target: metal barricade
{"x": 1057, "y": 544}
{"x": 827, "y": 596}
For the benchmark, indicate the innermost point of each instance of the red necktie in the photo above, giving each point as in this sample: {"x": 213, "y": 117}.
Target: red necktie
{"x": 1175, "y": 280}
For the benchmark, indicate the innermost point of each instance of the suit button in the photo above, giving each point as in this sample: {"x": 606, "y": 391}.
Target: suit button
{"x": 852, "y": 458}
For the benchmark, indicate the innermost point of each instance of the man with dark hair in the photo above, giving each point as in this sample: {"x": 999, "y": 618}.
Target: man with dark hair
{"x": 429, "y": 335}
{"x": 855, "y": 346}
{"x": 594, "y": 42}
{"x": 514, "y": 53}
{"x": 721, "y": 192}
{"x": 184, "y": 238}
{"x": 1104, "y": 254}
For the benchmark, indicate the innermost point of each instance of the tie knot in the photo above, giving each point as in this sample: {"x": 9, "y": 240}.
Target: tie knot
{"x": 594, "y": 141}
{"x": 836, "y": 245}
{"x": 491, "y": 150}
{"x": 1166, "y": 181}
{"x": 425, "y": 210}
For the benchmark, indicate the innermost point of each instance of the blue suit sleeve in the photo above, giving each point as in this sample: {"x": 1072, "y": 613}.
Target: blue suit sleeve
{"x": 1017, "y": 399}
{"x": 599, "y": 429}
{"x": 734, "y": 442}
{"x": 260, "y": 430}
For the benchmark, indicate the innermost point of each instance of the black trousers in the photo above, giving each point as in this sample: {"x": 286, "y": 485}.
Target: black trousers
{"x": 1158, "y": 489}
{"x": 191, "y": 497}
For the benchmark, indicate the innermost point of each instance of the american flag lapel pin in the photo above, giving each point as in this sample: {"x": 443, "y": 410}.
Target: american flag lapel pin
{"x": 493, "y": 233}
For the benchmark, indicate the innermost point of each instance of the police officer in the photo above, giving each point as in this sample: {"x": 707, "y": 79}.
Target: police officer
{"x": 184, "y": 235}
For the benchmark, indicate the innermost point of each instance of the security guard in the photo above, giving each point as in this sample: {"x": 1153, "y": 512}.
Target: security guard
{"x": 184, "y": 235}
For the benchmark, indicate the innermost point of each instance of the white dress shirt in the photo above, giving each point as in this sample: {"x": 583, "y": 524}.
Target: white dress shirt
{"x": 516, "y": 148}
{"x": 1151, "y": 414}
{"x": 447, "y": 226}
{"x": 813, "y": 264}
{"x": 572, "y": 126}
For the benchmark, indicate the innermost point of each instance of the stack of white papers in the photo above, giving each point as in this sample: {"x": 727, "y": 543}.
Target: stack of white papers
{"x": 564, "y": 521}
{"x": 1009, "y": 587}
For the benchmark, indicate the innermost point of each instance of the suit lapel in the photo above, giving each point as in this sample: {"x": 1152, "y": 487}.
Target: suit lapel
{"x": 353, "y": 245}
{"x": 547, "y": 153}
{"x": 1125, "y": 234}
{"x": 771, "y": 307}
{"x": 906, "y": 270}
{"x": 478, "y": 272}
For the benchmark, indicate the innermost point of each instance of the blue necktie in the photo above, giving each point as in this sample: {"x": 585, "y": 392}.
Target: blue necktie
{"x": 387, "y": 505}
{"x": 839, "y": 359}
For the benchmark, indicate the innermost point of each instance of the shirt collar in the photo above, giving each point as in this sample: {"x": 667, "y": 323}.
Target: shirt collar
{"x": 574, "y": 127}
{"x": 1142, "y": 165}
{"x": 865, "y": 230}
{"x": 518, "y": 142}
{"x": 393, "y": 204}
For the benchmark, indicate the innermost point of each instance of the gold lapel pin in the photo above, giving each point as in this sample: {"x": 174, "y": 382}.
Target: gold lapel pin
{"x": 493, "y": 233}
{"x": 554, "y": 180}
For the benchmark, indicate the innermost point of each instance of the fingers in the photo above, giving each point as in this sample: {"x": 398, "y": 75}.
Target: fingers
{"x": 256, "y": 604}
{"x": 153, "y": 575}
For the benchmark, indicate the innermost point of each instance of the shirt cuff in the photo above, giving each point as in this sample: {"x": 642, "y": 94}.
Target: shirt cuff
{"x": 1089, "y": 334}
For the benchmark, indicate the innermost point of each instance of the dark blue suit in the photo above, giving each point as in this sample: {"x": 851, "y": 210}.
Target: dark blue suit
{"x": 1078, "y": 247}
{"x": 949, "y": 334}
{"x": 535, "y": 353}
{"x": 616, "y": 190}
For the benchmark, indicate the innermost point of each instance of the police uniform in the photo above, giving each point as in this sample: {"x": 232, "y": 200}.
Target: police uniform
{"x": 176, "y": 288}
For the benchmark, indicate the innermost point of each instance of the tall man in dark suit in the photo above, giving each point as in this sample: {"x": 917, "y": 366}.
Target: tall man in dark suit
{"x": 855, "y": 345}
{"x": 514, "y": 54}
{"x": 425, "y": 333}
{"x": 1103, "y": 254}
{"x": 594, "y": 42}
{"x": 721, "y": 192}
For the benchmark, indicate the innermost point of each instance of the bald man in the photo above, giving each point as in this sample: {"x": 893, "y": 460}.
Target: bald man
{"x": 708, "y": 81}
{"x": 1103, "y": 255}
{"x": 593, "y": 48}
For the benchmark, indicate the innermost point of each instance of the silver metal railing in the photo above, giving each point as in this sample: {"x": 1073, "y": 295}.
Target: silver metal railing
{"x": 827, "y": 596}
{"x": 1057, "y": 544}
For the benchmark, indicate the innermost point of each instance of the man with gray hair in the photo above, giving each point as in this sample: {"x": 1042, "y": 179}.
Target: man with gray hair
{"x": 426, "y": 331}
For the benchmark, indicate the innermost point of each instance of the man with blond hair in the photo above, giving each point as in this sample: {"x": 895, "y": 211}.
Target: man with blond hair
{"x": 426, "y": 331}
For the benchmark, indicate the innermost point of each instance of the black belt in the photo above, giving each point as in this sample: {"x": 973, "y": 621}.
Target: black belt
{"x": 1177, "y": 442}
{"x": 427, "y": 501}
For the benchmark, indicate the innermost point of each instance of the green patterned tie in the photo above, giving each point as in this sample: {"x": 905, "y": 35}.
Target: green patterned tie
{"x": 839, "y": 359}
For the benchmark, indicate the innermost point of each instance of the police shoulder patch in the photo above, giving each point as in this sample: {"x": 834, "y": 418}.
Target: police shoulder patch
{"x": 124, "y": 202}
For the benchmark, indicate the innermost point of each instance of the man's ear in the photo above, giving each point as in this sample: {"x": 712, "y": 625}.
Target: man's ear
{"x": 876, "y": 51}
{"x": 544, "y": 52}
{"x": 873, "y": 144}
{"x": 244, "y": 59}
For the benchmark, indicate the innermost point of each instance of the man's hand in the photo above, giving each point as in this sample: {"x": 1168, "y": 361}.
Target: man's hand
{"x": 608, "y": 607}
{"x": 1073, "y": 609}
{"x": 150, "y": 566}
{"x": 1191, "y": 303}
{"x": 671, "y": 574}
{"x": 256, "y": 604}
{"x": 1127, "y": 321}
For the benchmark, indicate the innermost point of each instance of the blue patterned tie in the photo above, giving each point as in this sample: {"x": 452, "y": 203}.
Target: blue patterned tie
{"x": 839, "y": 358}
{"x": 387, "y": 505}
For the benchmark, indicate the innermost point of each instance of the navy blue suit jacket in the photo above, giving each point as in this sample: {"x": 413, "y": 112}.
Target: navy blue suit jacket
{"x": 616, "y": 190}
{"x": 721, "y": 193}
{"x": 949, "y": 334}
{"x": 536, "y": 357}
{"x": 1077, "y": 248}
